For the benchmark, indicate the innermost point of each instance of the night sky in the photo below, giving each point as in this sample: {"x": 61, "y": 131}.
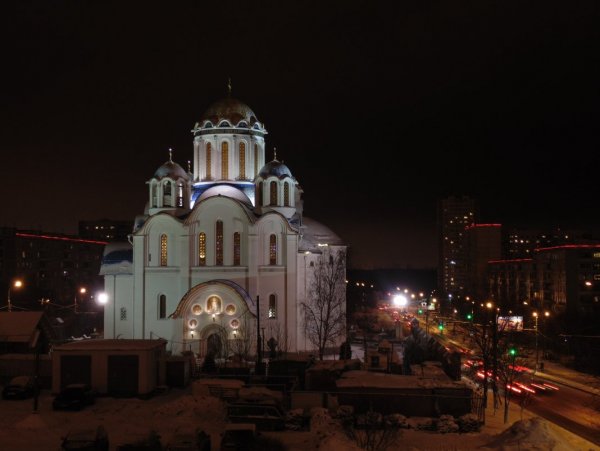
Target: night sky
{"x": 378, "y": 108}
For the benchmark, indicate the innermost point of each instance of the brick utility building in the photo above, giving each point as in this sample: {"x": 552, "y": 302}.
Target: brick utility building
{"x": 115, "y": 367}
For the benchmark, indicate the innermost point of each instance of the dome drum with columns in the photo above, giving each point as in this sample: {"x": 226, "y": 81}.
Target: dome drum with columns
{"x": 212, "y": 241}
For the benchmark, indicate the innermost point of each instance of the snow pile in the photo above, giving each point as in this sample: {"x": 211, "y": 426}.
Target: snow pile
{"x": 532, "y": 434}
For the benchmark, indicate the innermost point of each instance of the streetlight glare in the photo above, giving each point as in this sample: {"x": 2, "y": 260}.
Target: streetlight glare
{"x": 489, "y": 305}
{"x": 18, "y": 284}
{"x": 399, "y": 300}
{"x": 102, "y": 298}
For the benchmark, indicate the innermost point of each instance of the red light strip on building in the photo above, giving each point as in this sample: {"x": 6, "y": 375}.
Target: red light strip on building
{"x": 58, "y": 238}
{"x": 568, "y": 246}
{"x": 482, "y": 225}
{"x": 516, "y": 260}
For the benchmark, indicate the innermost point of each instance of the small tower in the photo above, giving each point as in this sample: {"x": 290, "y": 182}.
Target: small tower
{"x": 276, "y": 189}
{"x": 169, "y": 189}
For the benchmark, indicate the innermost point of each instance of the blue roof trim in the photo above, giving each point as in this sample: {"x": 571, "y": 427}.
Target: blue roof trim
{"x": 118, "y": 257}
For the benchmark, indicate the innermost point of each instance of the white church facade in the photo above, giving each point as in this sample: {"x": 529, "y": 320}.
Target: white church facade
{"x": 220, "y": 246}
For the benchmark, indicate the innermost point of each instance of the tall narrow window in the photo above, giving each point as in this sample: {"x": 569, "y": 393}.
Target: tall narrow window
{"x": 224, "y": 160}
{"x": 255, "y": 160}
{"x": 272, "y": 306}
{"x": 286, "y": 194}
{"x": 162, "y": 306}
{"x": 163, "y": 250}
{"x": 202, "y": 249}
{"x": 236, "y": 249}
{"x": 219, "y": 244}
{"x": 180, "y": 194}
{"x": 273, "y": 187}
{"x": 208, "y": 160}
{"x": 167, "y": 188}
{"x": 272, "y": 250}
{"x": 242, "y": 161}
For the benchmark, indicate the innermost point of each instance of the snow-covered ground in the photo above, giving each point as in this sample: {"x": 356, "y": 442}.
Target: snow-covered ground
{"x": 179, "y": 409}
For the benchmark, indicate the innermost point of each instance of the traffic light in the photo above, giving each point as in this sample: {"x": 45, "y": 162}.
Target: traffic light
{"x": 512, "y": 352}
{"x": 420, "y": 311}
{"x": 469, "y": 316}
{"x": 441, "y": 326}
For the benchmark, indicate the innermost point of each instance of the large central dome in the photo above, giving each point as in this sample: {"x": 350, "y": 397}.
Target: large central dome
{"x": 229, "y": 109}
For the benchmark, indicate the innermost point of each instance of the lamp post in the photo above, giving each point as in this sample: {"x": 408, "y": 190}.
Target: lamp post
{"x": 535, "y": 315}
{"x": 17, "y": 284}
{"x": 537, "y": 359}
{"x": 489, "y": 307}
{"x": 82, "y": 291}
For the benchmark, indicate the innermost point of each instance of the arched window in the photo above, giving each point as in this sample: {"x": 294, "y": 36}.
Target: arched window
{"x": 273, "y": 200}
{"x": 219, "y": 244}
{"x": 224, "y": 160}
{"x": 208, "y": 160}
{"x": 201, "y": 249}
{"x": 272, "y": 250}
{"x": 162, "y": 306}
{"x": 167, "y": 199}
{"x": 236, "y": 249}
{"x": 255, "y": 160}
{"x": 286, "y": 194}
{"x": 272, "y": 306}
{"x": 259, "y": 194}
{"x": 242, "y": 160}
{"x": 163, "y": 250}
{"x": 180, "y": 194}
{"x": 153, "y": 196}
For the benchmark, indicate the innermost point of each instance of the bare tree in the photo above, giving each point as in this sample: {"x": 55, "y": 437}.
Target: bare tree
{"x": 278, "y": 334}
{"x": 244, "y": 341}
{"x": 325, "y": 305}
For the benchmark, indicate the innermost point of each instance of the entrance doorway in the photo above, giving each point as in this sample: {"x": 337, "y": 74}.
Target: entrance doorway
{"x": 214, "y": 345}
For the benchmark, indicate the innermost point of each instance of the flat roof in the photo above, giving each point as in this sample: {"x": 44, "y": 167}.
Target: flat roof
{"x": 369, "y": 379}
{"x": 111, "y": 345}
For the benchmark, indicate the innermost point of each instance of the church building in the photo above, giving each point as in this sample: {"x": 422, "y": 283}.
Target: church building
{"x": 221, "y": 245}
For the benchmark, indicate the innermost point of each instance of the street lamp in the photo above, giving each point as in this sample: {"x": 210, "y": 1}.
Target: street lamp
{"x": 82, "y": 291}
{"x": 535, "y": 315}
{"x": 16, "y": 284}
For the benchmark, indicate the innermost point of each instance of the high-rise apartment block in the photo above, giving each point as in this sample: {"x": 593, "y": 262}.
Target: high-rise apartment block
{"x": 455, "y": 214}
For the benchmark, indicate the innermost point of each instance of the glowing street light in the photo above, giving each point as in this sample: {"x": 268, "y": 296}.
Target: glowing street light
{"x": 103, "y": 298}
{"x": 400, "y": 300}
{"x": 16, "y": 284}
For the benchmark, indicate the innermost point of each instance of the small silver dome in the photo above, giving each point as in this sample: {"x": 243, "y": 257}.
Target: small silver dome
{"x": 275, "y": 168}
{"x": 172, "y": 170}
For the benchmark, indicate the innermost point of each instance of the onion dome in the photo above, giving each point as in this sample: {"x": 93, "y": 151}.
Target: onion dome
{"x": 226, "y": 191}
{"x": 275, "y": 168}
{"x": 229, "y": 109}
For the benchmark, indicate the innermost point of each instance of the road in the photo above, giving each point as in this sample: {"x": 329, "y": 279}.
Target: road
{"x": 570, "y": 409}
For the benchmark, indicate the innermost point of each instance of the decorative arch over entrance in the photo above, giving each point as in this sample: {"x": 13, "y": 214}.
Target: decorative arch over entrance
{"x": 212, "y": 313}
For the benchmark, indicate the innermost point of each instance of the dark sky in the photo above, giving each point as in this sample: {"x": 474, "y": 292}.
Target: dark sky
{"x": 378, "y": 108}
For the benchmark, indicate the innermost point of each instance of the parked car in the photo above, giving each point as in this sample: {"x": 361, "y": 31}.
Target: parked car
{"x": 197, "y": 440}
{"x": 20, "y": 387}
{"x": 86, "y": 439}
{"x": 74, "y": 397}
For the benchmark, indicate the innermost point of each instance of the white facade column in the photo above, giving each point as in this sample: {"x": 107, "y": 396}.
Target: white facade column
{"x": 291, "y": 274}
{"x": 139, "y": 285}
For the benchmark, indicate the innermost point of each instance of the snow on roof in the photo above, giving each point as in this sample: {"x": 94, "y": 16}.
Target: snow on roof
{"x": 368, "y": 379}
{"x": 315, "y": 233}
{"x": 117, "y": 259}
{"x": 18, "y": 327}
